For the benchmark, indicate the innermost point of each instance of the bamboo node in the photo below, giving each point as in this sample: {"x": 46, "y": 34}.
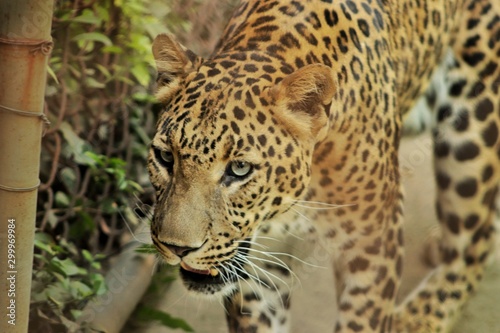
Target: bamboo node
{"x": 42, "y": 46}
{"x": 20, "y": 189}
{"x": 41, "y": 115}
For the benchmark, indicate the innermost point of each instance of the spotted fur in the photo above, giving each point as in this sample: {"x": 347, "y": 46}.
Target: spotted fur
{"x": 301, "y": 104}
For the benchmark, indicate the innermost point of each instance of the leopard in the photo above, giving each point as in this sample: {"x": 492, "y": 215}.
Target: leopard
{"x": 292, "y": 126}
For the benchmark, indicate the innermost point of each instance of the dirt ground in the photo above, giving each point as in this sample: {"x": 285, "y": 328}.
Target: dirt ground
{"x": 313, "y": 305}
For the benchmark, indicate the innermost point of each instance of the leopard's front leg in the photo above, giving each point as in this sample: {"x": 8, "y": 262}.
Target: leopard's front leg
{"x": 368, "y": 270}
{"x": 263, "y": 311}
{"x": 362, "y": 183}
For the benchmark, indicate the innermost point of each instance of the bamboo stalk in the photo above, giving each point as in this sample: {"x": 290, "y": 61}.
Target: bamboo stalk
{"x": 25, "y": 45}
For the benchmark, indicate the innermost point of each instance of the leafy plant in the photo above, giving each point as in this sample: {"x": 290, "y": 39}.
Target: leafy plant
{"x": 148, "y": 314}
{"x": 60, "y": 285}
{"x": 94, "y": 155}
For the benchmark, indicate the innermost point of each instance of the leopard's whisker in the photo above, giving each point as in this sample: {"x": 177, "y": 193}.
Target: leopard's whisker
{"x": 225, "y": 280}
{"x": 233, "y": 268}
{"x": 239, "y": 269}
{"x": 256, "y": 236}
{"x": 278, "y": 263}
{"x": 281, "y": 262}
{"x": 156, "y": 262}
{"x": 245, "y": 241}
{"x": 146, "y": 209}
{"x": 303, "y": 202}
{"x": 252, "y": 278}
{"x": 133, "y": 233}
{"x": 288, "y": 255}
{"x": 257, "y": 281}
{"x": 320, "y": 208}
{"x": 270, "y": 276}
{"x": 246, "y": 260}
{"x": 291, "y": 233}
{"x": 302, "y": 215}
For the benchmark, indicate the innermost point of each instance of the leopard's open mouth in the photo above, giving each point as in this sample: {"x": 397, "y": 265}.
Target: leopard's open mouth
{"x": 214, "y": 279}
{"x": 201, "y": 277}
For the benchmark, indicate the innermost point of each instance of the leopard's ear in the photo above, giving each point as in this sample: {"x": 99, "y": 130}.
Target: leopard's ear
{"x": 305, "y": 98}
{"x": 173, "y": 62}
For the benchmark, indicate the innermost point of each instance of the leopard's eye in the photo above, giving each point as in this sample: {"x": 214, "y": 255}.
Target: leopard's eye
{"x": 236, "y": 171}
{"x": 165, "y": 158}
{"x": 239, "y": 169}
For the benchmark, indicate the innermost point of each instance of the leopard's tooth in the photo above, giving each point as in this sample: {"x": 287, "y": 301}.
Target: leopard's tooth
{"x": 185, "y": 266}
{"x": 214, "y": 272}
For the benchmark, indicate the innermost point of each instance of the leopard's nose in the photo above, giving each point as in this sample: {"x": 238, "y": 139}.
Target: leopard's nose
{"x": 180, "y": 251}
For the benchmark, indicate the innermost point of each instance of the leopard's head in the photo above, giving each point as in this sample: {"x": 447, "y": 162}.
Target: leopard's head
{"x": 232, "y": 151}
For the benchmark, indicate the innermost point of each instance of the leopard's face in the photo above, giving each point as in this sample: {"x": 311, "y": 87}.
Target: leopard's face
{"x": 232, "y": 151}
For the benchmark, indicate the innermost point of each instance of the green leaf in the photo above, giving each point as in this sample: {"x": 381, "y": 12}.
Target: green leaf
{"x": 62, "y": 200}
{"x": 96, "y": 265}
{"x": 63, "y": 280}
{"x": 141, "y": 74}
{"x": 147, "y": 314}
{"x": 76, "y": 145}
{"x": 143, "y": 97}
{"x": 52, "y": 74}
{"x": 52, "y": 219}
{"x": 103, "y": 70}
{"x": 80, "y": 290}
{"x": 103, "y": 13}
{"x": 126, "y": 80}
{"x": 93, "y": 83}
{"x": 76, "y": 313}
{"x": 68, "y": 177}
{"x": 44, "y": 238}
{"x": 44, "y": 247}
{"x": 93, "y": 37}
{"x": 135, "y": 186}
{"x": 67, "y": 267}
{"x": 98, "y": 284}
{"x": 70, "y": 247}
{"x": 97, "y": 160}
{"x": 87, "y": 16}
{"x": 58, "y": 294}
{"x": 112, "y": 49}
{"x": 99, "y": 256}
{"x": 42, "y": 258}
{"x": 87, "y": 255}
{"x": 117, "y": 163}
{"x": 147, "y": 248}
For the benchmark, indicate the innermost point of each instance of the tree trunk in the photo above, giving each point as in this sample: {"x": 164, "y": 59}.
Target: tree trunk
{"x": 25, "y": 45}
